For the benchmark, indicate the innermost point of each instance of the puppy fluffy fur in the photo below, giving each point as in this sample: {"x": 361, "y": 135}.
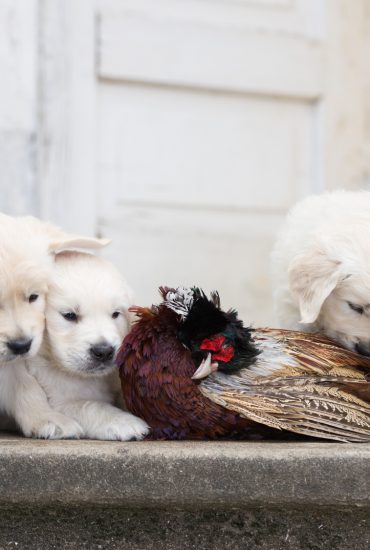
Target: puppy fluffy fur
{"x": 27, "y": 252}
{"x": 86, "y": 318}
{"x": 321, "y": 268}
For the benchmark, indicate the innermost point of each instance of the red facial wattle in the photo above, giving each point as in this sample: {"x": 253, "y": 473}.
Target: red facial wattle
{"x": 218, "y": 347}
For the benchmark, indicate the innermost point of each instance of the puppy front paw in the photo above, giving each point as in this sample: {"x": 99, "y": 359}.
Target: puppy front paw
{"x": 125, "y": 427}
{"x": 52, "y": 426}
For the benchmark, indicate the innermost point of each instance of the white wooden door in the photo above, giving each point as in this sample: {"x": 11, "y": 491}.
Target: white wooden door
{"x": 186, "y": 129}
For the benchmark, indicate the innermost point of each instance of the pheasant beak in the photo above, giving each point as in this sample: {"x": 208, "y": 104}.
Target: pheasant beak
{"x": 205, "y": 368}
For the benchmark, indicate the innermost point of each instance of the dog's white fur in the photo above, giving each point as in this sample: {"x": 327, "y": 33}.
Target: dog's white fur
{"x": 27, "y": 251}
{"x": 321, "y": 268}
{"x": 76, "y": 383}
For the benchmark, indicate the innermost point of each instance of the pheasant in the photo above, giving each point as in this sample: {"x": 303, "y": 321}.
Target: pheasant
{"x": 193, "y": 371}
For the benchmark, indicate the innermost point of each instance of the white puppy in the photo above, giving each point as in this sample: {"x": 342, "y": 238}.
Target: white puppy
{"x": 27, "y": 252}
{"x": 321, "y": 268}
{"x": 86, "y": 318}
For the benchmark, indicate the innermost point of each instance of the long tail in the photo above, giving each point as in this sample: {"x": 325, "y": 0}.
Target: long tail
{"x": 318, "y": 408}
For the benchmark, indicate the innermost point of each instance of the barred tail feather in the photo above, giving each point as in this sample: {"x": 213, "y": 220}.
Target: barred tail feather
{"x": 309, "y": 409}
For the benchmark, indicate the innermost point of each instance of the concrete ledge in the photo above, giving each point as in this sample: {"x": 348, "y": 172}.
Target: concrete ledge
{"x": 183, "y": 496}
{"x": 184, "y": 476}
{"x": 116, "y": 528}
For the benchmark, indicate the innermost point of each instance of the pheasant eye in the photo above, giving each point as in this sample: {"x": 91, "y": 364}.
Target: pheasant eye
{"x": 356, "y": 308}
{"x": 32, "y": 298}
{"x": 115, "y": 314}
{"x": 70, "y": 316}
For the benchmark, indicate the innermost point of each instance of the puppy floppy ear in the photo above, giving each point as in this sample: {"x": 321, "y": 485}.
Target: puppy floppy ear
{"x": 312, "y": 277}
{"x": 76, "y": 242}
{"x": 130, "y": 300}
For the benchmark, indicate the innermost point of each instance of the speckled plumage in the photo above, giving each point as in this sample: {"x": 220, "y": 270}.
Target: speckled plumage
{"x": 298, "y": 382}
{"x": 303, "y": 383}
{"x": 156, "y": 373}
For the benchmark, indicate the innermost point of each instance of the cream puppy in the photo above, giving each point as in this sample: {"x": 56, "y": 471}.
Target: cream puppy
{"x": 321, "y": 268}
{"x": 28, "y": 248}
{"x": 86, "y": 318}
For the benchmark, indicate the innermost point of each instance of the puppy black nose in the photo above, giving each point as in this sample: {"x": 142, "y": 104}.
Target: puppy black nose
{"x": 102, "y": 352}
{"x": 363, "y": 349}
{"x": 19, "y": 347}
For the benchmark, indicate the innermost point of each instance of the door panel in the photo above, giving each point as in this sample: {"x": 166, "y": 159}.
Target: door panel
{"x": 172, "y": 52}
{"x": 227, "y": 251}
{"x": 175, "y": 147}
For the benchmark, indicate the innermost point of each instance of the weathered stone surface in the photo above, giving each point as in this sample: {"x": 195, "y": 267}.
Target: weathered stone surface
{"x": 205, "y": 475}
{"x": 180, "y": 496}
{"x": 116, "y": 528}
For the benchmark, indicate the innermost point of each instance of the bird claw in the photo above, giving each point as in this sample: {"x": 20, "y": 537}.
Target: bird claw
{"x": 205, "y": 368}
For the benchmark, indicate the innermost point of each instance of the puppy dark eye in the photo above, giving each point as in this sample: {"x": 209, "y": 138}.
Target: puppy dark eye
{"x": 115, "y": 314}
{"x": 70, "y": 316}
{"x": 32, "y": 298}
{"x": 356, "y": 308}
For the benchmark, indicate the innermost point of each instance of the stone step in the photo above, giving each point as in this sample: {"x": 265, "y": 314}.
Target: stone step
{"x": 182, "y": 495}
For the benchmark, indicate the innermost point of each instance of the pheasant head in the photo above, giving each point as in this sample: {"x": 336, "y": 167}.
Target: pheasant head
{"x": 216, "y": 339}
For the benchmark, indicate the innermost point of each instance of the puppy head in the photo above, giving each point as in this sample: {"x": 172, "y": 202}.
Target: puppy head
{"x": 331, "y": 283}
{"x": 87, "y": 314}
{"x": 27, "y": 253}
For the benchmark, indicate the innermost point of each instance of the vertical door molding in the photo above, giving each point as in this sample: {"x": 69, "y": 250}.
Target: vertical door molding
{"x": 343, "y": 107}
{"x": 67, "y": 114}
{"x": 367, "y": 93}
{"x": 18, "y": 59}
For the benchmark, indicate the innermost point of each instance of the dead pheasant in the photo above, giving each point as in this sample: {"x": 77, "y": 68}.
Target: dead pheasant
{"x": 193, "y": 371}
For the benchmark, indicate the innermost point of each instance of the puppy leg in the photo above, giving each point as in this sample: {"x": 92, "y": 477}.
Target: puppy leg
{"x": 101, "y": 420}
{"x": 22, "y": 398}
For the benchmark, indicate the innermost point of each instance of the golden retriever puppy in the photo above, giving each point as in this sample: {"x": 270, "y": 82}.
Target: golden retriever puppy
{"x": 321, "y": 268}
{"x": 86, "y": 319}
{"x": 28, "y": 248}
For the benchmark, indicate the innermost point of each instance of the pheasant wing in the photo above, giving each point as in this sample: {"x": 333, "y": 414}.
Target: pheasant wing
{"x": 301, "y": 383}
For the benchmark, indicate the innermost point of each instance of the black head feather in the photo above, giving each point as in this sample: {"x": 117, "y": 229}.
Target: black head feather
{"x": 200, "y": 319}
{"x": 205, "y": 319}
